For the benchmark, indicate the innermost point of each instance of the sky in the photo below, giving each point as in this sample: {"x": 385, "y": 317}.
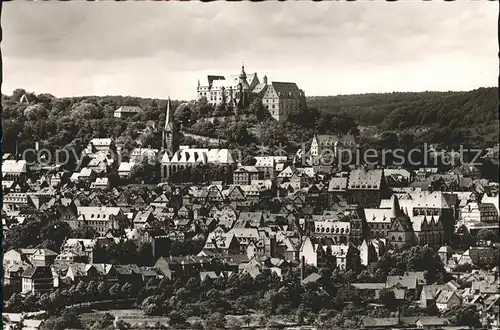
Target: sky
{"x": 160, "y": 49}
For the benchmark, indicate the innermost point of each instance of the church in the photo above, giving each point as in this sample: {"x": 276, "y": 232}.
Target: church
{"x": 176, "y": 158}
{"x": 279, "y": 98}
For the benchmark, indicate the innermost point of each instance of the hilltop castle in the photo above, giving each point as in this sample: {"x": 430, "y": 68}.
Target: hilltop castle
{"x": 280, "y": 98}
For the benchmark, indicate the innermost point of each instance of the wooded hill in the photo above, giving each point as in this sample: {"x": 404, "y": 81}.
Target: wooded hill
{"x": 469, "y": 117}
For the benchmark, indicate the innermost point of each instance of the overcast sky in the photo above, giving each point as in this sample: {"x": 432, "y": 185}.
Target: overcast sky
{"x": 154, "y": 49}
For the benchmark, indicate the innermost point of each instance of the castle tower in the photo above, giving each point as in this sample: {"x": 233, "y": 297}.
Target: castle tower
{"x": 243, "y": 89}
{"x": 170, "y": 138}
{"x": 243, "y": 75}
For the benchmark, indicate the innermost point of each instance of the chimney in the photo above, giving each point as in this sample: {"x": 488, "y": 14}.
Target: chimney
{"x": 302, "y": 261}
{"x": 17, "y": 149}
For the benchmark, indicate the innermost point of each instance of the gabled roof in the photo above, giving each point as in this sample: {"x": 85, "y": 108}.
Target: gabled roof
{"x": 431, "y": 291}
{"x": 86, "y": 172}
{"x": 14, "y": 166}
{"x": 129, "y": 109}
{"x": 365, "y": 179}
{"x": 378, "y": 215}
{"x": 409, "y": 282}
{"x": 251, "y": 233}
{"x": 312, "y": 278}
{"x": 45, "y": 252}
{"x": 125, "y": 167}
{"x": 96, "y": 212}
{"x": 143, "y": 217}
{"x": 444, "y": 296}
{"x": 248, "y": 169}
{"x": 432, "y": 320}
{"x": 286, "y": 90}
{"x": 37, "y": 272}
{"x": 331, "y": 139}
{"x": 380, "y": 322}
{"x": 337, "y": 184}
{"x": 369, "y": 286}
{"x": 253, "y": 217}
{"x": 101, "y": 142}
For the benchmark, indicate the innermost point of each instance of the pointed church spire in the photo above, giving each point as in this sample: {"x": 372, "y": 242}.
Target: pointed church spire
{"x": 243, "y": 75}
{"x": 169, "y": 138}
{"x": 167, "y": 124}
{"x": 395, "y": 210}
{"x": 167, "y": 116}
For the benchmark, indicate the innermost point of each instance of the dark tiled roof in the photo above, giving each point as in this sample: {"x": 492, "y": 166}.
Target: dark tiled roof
{"x": 365, "y": 179}
{"x": 286, "y": 89}
{"x": 380, "y": 322}
{"x": 37, "y": 272}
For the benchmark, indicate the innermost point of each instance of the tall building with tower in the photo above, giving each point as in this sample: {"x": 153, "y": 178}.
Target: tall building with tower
{"x": 177, "y": 158}
{"x": 279, "y": 98}
{"x": 170, "y": 138}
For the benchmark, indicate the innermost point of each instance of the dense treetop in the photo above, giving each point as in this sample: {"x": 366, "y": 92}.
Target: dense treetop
{"x": 468, "y": 117}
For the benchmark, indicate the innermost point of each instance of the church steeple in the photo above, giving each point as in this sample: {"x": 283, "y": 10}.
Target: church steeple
{"x": 168, "y": 119}
{"x": 243, "y": 75}
{"x": 169, "y": 138}
{"x": 395, "y": 209}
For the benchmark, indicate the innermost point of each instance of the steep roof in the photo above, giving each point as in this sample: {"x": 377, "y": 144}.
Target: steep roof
{"x": 101, "y": 141}
{"x": 378, "y": 215}
{"x": 14, "y": 166}
{"x": 37, "y": 272}
{"x": 432, "y": 320}
{"x": 125, "y": 167}
{"x": 409, "y": 282}
{"x": 129, "y": 109}
{"x": 249, "y": 169}
{"x": 365, "y": 179}
{"x": 312, "y": 278}
{"x": 286, "y": 90}
{"x": 337, "y": 184}
{"x": 380, "y": 321}
{"x": 92, "y": 212}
